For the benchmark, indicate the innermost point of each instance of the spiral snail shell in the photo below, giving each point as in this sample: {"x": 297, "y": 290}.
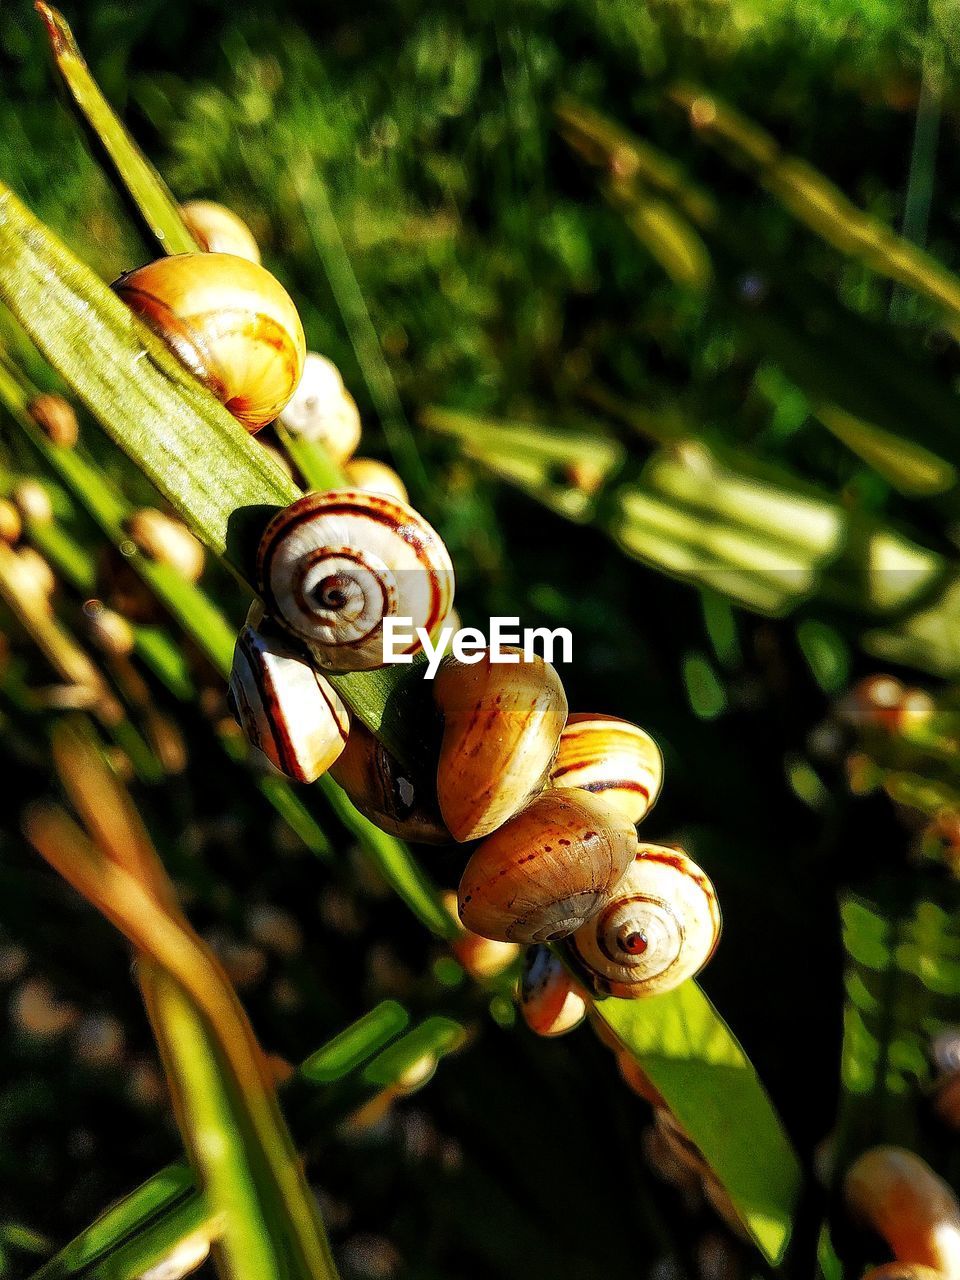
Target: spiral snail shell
{"x": 547, "y": 870}
{"x": 658, "y": 928}
{"x": 610, "y": 757}
{"x": 551, "y": 1000}
{"x": 229, "y": 322}
{"x": 219, "y": 230}
{"x": 501, "y": 726}
{"x": 900, "y": 1197}
{"x": 285, "y": 707}
{"x": 322, "y": 409}
{"x": 333, "y": 565}
{"x": 384, "y": 791}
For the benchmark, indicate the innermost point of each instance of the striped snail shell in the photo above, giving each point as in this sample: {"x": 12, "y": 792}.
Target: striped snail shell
{"x": 551, "y": 1000}
{"x": 229, "y": 322}
{"x": 546, "y": 871}
{"x": 322, "y": 409}
{"x": 612, "y": 758}
{"x": 657, "y": 928}
{"x": 219, "y": 230}
{"x": 501, "y": 726}
{"x": 333, "y": 565}
{"x": 385, "y": 792}
{"x": 284, "y": 706}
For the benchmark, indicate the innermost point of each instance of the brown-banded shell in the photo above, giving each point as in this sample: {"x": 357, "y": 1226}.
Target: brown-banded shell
{"x": 375, "y": 477}
{"x": 611, "y": 758}
{"x": 547, "y": 870}
{"x": 552, "y": 1002}
{"x": 900, "y": 1197}
{"x": 657, "y": 928}
{"x": 385, "y": 792}
{"x": 501, "y": 725}
{"x": 229, "y": 322}
{"x": 285, "y": 707}
{"x": 332, "y": 566}
{"x": 323, "y": 410}
{"x": 219, "y": 230}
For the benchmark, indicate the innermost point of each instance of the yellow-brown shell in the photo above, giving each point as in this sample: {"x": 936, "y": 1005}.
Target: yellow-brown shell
{"x": 900, "y": 1197}
{"x": 658, "y": 927}
{"x": 229, "y": 322}
{"x": 332, "y": 566}
{"x": 611, "y": 758}
{"x": 285, "y": 707}
{"x": 552, "y": 1002}
{"x": 385, "y": 792}
{"x": 219, "y": 230}
{"x": 375, "y": 477}
{"x": 501, "y": 726}
{"x": 56, "y": 419}
{"x": 547, "y": 870}
{"x": 481, "y": 957}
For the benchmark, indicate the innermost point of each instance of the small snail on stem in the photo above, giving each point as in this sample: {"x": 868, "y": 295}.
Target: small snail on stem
{"x": 229, "y": 322}
{"x": 332, "y": 566}
{"x": 284, "y": 706}
{"x": 897, "y": 1194}
{"x": 219, "y": 230}
{"x": 322, "y": 409}
{"x": 657, "y": 928}
{"x": 480, "y": 957}
{"x": 611, "y": 758}
{"x": 501, "y": 726}
{"x": 552, "y": 1002}
{"x": 56, "y": 419}
{"x": 167, "y": 541}
{"x": 547, "y": 870}
{"x": 375, "y": 477}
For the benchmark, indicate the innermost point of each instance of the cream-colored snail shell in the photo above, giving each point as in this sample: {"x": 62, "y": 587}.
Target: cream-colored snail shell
{"x": 229, "y": 322}
{"x": 611, "y": 758}
{"x": 896, "y": 1193}
{"x": 333, "y": 565}
{"x": 219, "y": 230}
{"x": 285, "y": 707}
{"x": 375, "y": 477}
{"x": 481, "y": 957}
{"x": 547, "y": 870}
{"x": 658, "y": 928}
{"x": 501, "y": 726}
{"x": 322, "y": 409}
{"x": 552, "y": 1002}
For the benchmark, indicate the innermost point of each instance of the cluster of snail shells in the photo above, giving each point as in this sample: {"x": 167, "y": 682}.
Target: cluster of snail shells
{"x": 553, "y": 801}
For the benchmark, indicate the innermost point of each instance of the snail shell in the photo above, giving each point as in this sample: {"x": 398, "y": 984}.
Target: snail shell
{"x": 322, "y": 409}
{"x": 501, "y": 726}
{"x": 375, "y": 477}
{"x": 229, "y": 322}
{"x": 285, "y": 707}
{"x": 333, "y": 565}
{"x": 658, "y": 928}
{"x": 384, "y": 791}
{"x": 167, "y": 541}
{"x": 219, "y": 230}
{"x": 11, "y": 524}
{"x": 481, "y": 957}
{"x": 902, "y": 1199}
{"x": 546, "y": 871}
{"x": 551, "y": 1000}
{"x": 56, "y": 419}
{"x": 610, "y": 757}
